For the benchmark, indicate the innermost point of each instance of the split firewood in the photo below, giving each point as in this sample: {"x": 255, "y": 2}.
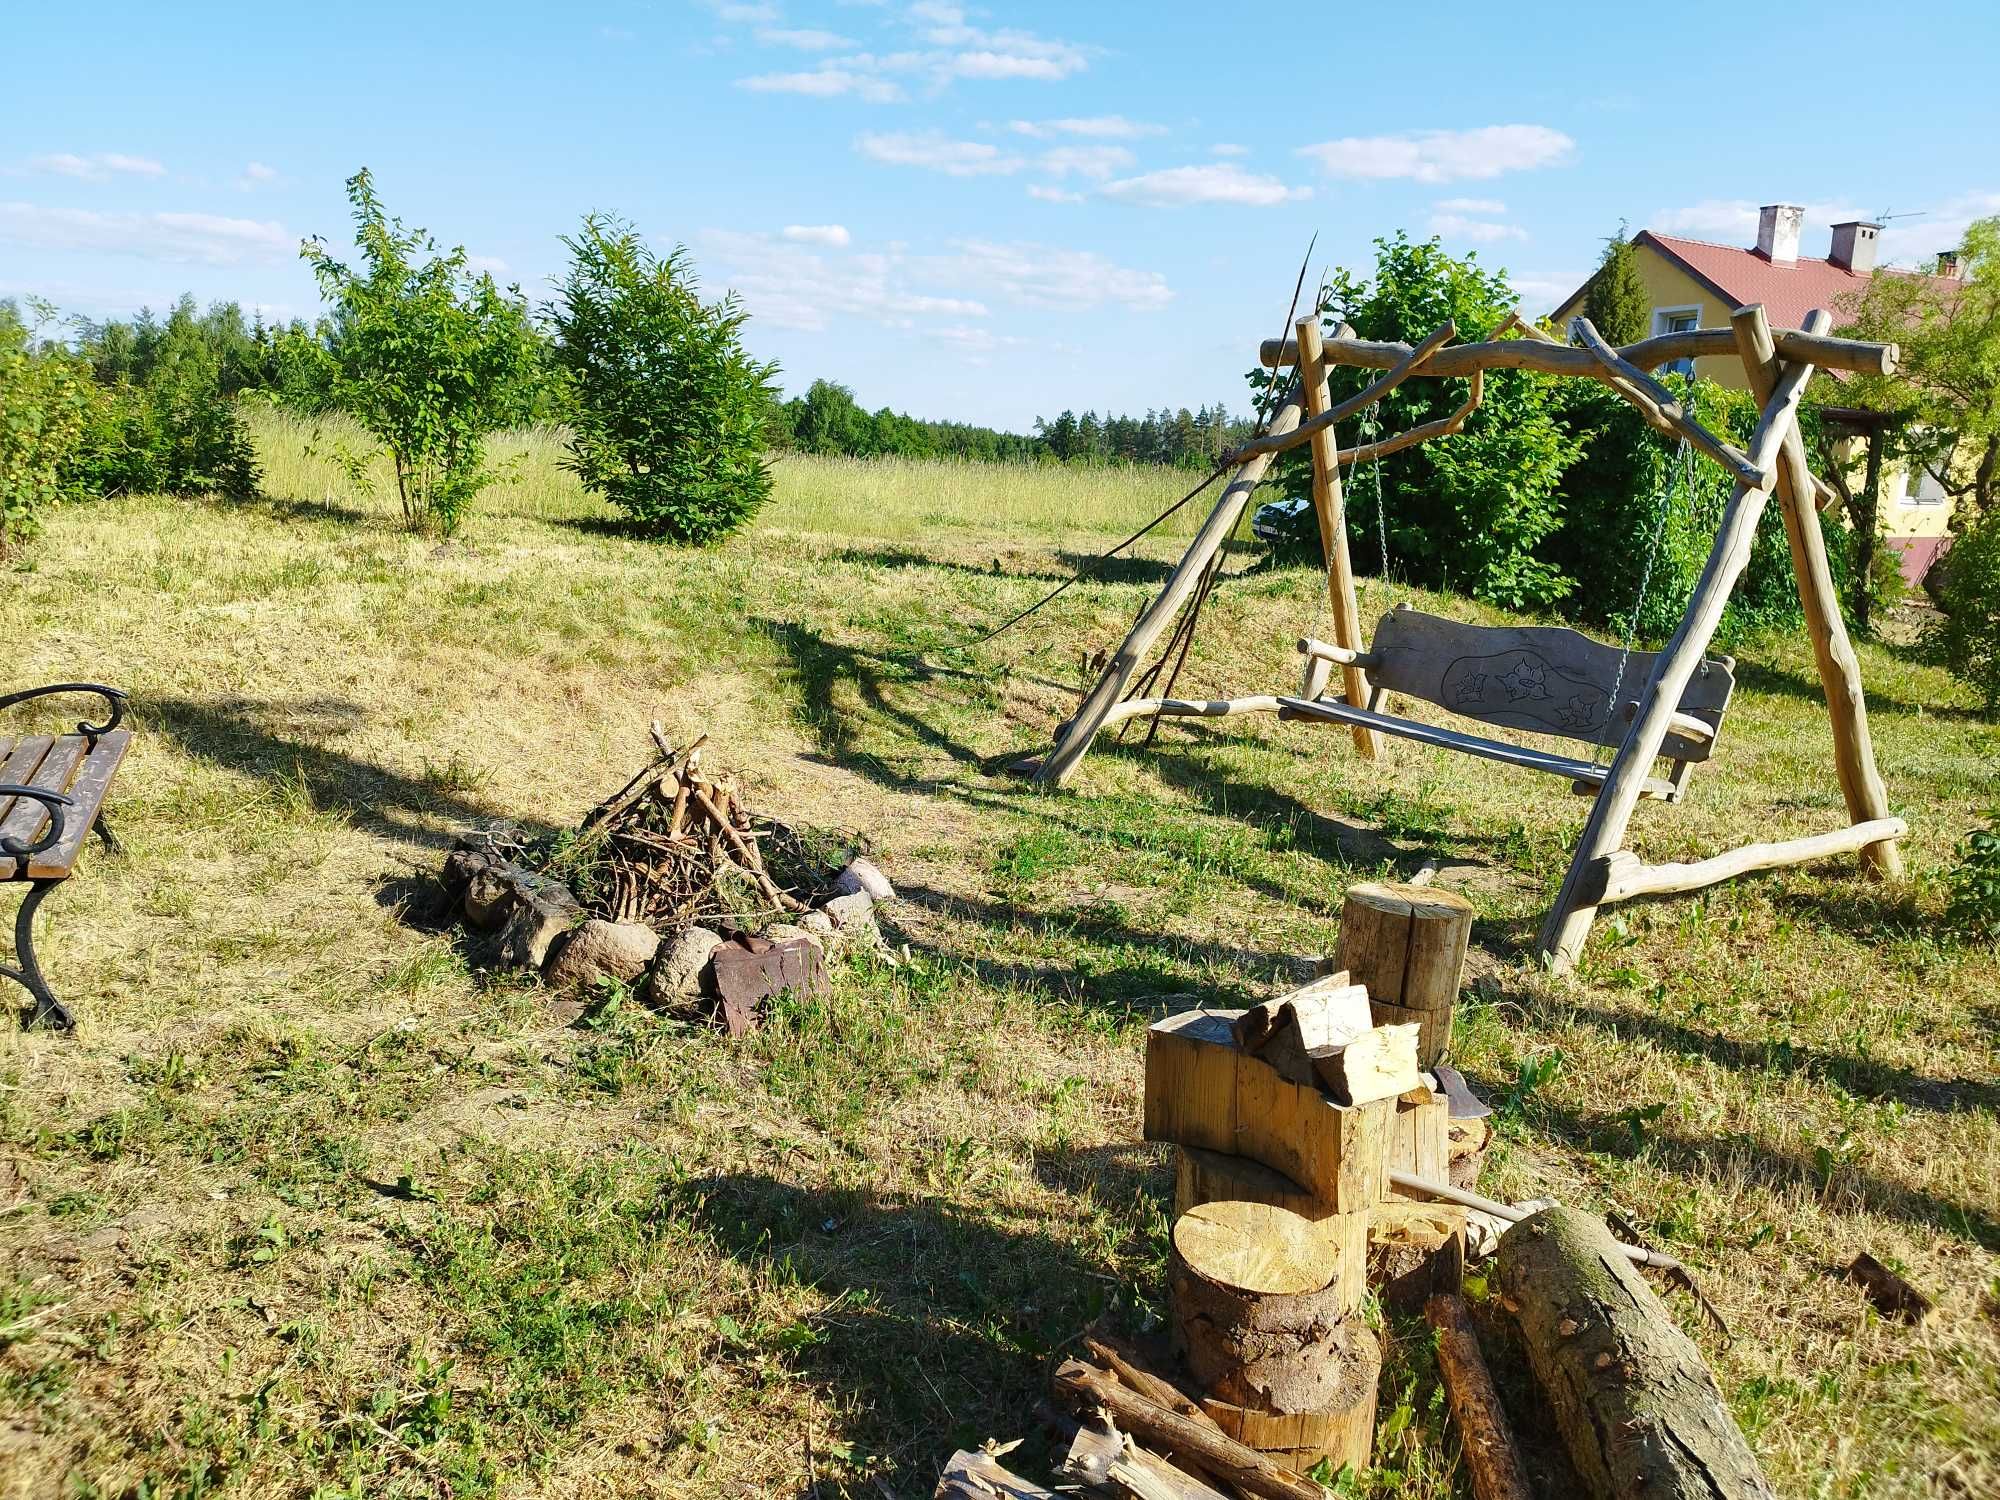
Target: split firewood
{"x": 1888, "y": 1291}
{"x": 973, "y": 1474}
{"x": 1087, "y": 1389}
{"x": 1380, "y": 1063}
{"x": 1101, "y": 1455}
{"x": 1316, "y": 1000}
{"x": 1126, "y": 1362}
{"x": 1484, "y": 1438}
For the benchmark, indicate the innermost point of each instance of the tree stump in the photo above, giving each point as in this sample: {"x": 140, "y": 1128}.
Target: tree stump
{"x": 1211, "y": 1177}
{"x": 1262, "y": 1311}
{"x": 1415, "y": 1250}
{"x": 1407, "y": 944}
{"x": 1637, "y": 1406}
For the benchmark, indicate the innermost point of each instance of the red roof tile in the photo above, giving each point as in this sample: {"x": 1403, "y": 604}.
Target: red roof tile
{"x": 1788, "y": 292}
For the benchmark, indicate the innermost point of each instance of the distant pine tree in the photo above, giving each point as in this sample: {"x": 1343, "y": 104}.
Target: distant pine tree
{"x": 1616, "y": 303}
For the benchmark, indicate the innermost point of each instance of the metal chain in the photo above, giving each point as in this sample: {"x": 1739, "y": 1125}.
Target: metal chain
{"x": 1685, "y": 479}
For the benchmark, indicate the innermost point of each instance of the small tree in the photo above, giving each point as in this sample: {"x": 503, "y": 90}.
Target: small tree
{"x": 45, "y": 398}
{"x": 425, "y": 353}
{"x": 1616, "y": 302}
{"x": 1967, "y": 638}
{"x": 669, "y": 413}
{"x": 1946, "y": 387}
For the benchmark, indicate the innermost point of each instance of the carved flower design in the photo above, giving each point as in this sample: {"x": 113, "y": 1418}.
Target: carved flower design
{"x": 1528, "y": 679}
{"x": 1579, "y": 713}
{"x": 1471, "y": 688}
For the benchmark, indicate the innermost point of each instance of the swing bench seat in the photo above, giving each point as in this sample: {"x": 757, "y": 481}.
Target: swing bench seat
{"x": 1543, "y": 679}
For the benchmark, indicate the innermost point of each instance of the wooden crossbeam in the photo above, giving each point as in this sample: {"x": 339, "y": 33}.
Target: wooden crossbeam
{"x": 1401, "y": 370}
{"x": 1460, "y": 360}
{"x": 1661, "y": 408}
{"x": 1624, "y": 877}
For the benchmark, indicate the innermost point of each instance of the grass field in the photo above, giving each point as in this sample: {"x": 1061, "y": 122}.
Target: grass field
{"x": 311, "y": 1207}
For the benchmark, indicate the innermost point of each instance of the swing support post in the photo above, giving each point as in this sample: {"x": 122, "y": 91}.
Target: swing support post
{"x": 1330, "y": 511}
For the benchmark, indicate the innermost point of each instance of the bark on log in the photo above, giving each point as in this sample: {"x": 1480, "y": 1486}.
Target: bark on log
{"x": 1415, "y": 1251}
{"x": 1085, "y": 1388}
{"x": 1637, "y": 1406}
{"x": 1262, "y": 1314}
{"x": 1483, "y": 1436}
{"x": 1299, "y": 1440}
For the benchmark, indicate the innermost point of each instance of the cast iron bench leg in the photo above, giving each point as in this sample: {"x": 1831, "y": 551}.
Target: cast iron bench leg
{"x": 101, "y": 826}
{"x": 48, "y": 1010}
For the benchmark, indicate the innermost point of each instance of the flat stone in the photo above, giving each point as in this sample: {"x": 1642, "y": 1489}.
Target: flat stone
{"x": 602, "y": 950}
{"x": 862, "y": 875}
{"x": 818, "y": 923}
{"x": 785, "y": 932}
{"x": 851, "y": 910}
{"x": 680, "y": 970}
{"x": 750, "y": 971}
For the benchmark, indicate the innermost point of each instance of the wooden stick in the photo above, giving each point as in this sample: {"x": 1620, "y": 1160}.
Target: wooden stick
{"x": 1401, "y": 370}
{"x": 1793, "y": 345}
{"x": 1331, "y": 513}
{"x": 1074, "y": 741}
{"x": 1839, "y": 671}
{"x": 1191, "y": 708}
{"x": 744, "y": 855}
{"x": 1625, "y": 877}
{"x": 1104, "y": 1458}
{"x": 1483, "y": 1436}
{"x": 1253, "y": 1472}
{"x": 1423, "y": 432}
{"x": 1660, "y": 407}
{"x": 1340, "y": 655}
{"x": 1569, "y": 920}
{"x": 1124, "y": 1361}
{"x": 973, "y": 1475}
{"x": 1514, "y": 322}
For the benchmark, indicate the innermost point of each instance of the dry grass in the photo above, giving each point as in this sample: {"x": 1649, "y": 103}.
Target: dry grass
{"x": 312, "y": 1207}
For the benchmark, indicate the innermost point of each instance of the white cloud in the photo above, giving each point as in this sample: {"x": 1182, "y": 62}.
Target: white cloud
{"x": 1908, "y": 242}
{"x": 834, "y": 236}
{"x": 802, "y": 286}
{"x": 1049, "y": 67}
{"x": 1092, "y": 127}
{"x": 491, "y": 265}
{"x": 1045, "y": 276}
{"x": 937, "y": 153}
{"x": 1443, "y": 155}
{"x": 1484, "y": 231}
{"x": 256, "y": 175}
{"x": 1914, "y": 241}
{"x": 1222, "y": 182}
{"x": 1470, "y": 206}
{"x": 804, "y": 38}
{"x": 98, "y": 168}
{"x": 1543, "y": 291}
{"x": 1228, "y": 148}
{"x": 212, "y": 239}
{"x": 826, "y": 83}
{"x": 1085, "y": 161}
{"x": 1053, "y": 194}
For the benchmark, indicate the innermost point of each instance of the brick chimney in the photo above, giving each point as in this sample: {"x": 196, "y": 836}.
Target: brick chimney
{"x": 1854, "y": 246}
{"x": 1778, "y": 232}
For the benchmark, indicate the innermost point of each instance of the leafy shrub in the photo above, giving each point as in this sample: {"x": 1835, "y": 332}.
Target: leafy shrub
{"x": 1468, "y": 512}
{"x": 424, "y": 355}
{"x": 45, "y": 397}
{"x": 1975, "y": 883}
{"x": 172, "y": 427}
{"x": 669, "y": 413}
{"x": 1967, "y": 637}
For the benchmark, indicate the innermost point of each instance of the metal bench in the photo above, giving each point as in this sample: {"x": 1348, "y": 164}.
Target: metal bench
{"x": 52, "y": 789}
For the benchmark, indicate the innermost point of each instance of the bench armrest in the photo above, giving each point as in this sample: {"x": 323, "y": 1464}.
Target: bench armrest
{"x": 113, "y": 697}
{"x": 55, "y": 802}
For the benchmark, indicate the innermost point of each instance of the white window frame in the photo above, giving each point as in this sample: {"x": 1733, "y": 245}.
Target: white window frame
{"x": 1662, "y": 315}
{"x": 1913, "y": 496}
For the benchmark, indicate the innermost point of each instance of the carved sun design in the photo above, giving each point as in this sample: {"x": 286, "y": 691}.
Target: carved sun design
{"x": 1578, "y": 713}
{"x": 1471, "y": 687}
{"x": 1526, "y": 680}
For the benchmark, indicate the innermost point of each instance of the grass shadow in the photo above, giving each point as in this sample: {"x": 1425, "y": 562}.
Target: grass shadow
{"x": 240, "y": 735}
{"x": 1778, "y": 683}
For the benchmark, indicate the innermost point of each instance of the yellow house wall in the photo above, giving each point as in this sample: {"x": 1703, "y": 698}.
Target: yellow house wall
{"x": 1667, "y": 285}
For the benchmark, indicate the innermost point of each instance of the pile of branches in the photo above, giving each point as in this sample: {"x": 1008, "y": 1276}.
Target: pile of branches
{"x": 673, "y": 848}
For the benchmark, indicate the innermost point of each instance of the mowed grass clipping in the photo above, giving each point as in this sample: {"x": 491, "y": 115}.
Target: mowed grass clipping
{"x": 311, "y": 1206}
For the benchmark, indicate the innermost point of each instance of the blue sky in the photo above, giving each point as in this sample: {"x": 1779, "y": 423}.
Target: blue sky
{"x": 985, "y": 212}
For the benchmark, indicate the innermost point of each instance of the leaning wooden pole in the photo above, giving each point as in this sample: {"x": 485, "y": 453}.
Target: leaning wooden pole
{"x": 1073, "y": 741}
{"x": 1331, "y": 512}
{"x": 1839, "y": 671}
{"x": 1569, "y": 921}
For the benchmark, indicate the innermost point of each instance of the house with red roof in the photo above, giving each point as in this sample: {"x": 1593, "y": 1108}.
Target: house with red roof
{"x": 1697, "y": 284}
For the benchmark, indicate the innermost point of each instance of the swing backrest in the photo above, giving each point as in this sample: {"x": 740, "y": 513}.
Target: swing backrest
{"x": 1540, "y": 678}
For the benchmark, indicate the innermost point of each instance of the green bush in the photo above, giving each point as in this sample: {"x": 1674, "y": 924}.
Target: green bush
{"x": 425, "y": 355}
{"x": 171, "y": 428}
{"x": 1974, "y": 884}
{"x": 45, "y": 397}
{"x": 1967, "y": 637}
{"x": 1470, "y": 512}
{"x": 669, "y": 414}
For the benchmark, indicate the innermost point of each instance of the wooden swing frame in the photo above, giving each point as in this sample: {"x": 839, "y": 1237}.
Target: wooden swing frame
{"x": 1778, "y": 364}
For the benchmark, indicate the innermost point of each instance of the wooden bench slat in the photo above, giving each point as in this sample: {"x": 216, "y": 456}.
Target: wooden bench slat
{"x": 18, "y": 769}
{"x": 89, "y": 787}
{"x": 26, "y": 819}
